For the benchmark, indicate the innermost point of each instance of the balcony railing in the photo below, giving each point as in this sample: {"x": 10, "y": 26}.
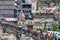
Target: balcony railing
{"x": 7, "y": 2}
{"x": 7, "y": 7}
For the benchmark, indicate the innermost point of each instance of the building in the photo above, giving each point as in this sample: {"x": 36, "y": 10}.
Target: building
{"x": 7, "y": 9}
{"x": 34, "y": 6}
{"x": 25, "y": 6}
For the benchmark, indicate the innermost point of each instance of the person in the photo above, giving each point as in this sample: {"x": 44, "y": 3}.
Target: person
{"x": 22, "y": 16}
{"x": 28, "y": 39}
{"x": 35, "y": 38}
{"x": 25, "y": 30}
{"x": 20, "y": 27}
{"x": 17, "y": 37}
{"x": 29, "y": 30}
{"x": 42, "y": 36}
{"x": 4, "y": 30}
{"x": 20, "y": 35}
{"x": 56, "y": 36}
{"x": 21, "y": 30}
{"x": 47, "y": 36}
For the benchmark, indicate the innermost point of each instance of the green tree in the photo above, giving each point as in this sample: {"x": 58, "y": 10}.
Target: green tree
{"x": 55, "y": 27}
{"x": 56, "y": 1}
{"x": 45, "y": 27}
{"x": 58, "y": 12}
{"x": 58, "y": 8}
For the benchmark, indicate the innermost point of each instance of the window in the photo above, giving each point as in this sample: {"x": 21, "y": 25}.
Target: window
{"x": 26, "y": 16}
{"x": 19, "y": 10}
{"x": 27, "y": 11}
{"x": 15, "y": 11}
{"x": 26, "y": 6}
{"x": 23, "y": 1}
{"x": 15, "y": 15}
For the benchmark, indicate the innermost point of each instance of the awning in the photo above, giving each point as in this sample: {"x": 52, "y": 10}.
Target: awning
{"x": 11, "y": 19}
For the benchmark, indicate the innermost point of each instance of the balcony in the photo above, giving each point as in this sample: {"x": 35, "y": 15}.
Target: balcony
{"x": 7, "y": 13}
{"x": 7, "y": 2}
{"x": 7, "y": 7}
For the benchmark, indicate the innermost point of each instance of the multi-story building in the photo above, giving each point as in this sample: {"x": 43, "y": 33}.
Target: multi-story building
{"x": 25, "y": 6}
{"x": 7, "y": 9}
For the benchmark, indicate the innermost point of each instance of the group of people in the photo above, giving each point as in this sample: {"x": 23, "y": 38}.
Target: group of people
{"x": 49, "y": 36}
{"x": 45, "y": 36}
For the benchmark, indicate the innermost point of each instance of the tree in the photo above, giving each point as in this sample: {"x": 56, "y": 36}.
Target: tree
{"x": 58, "y": 8}
{"x": 56, "y": 1}
{"x": 45, "y": 27}
{"x": 55, "y": 27}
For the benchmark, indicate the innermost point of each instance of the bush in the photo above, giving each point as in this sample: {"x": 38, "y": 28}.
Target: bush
{"x": 55, "y": 27}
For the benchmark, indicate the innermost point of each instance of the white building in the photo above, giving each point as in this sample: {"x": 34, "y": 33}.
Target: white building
{"x": 34, "y": 3}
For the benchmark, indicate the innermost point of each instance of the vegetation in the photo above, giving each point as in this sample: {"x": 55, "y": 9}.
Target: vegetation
{"x": 56, "y": 1}
{"x": 55, "y": 27}
{"x": 45, "y": 27}
{"x": 58, "y": 8}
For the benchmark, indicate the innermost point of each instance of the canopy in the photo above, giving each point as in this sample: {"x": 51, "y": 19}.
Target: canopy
{"x": 11, "y": 19}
